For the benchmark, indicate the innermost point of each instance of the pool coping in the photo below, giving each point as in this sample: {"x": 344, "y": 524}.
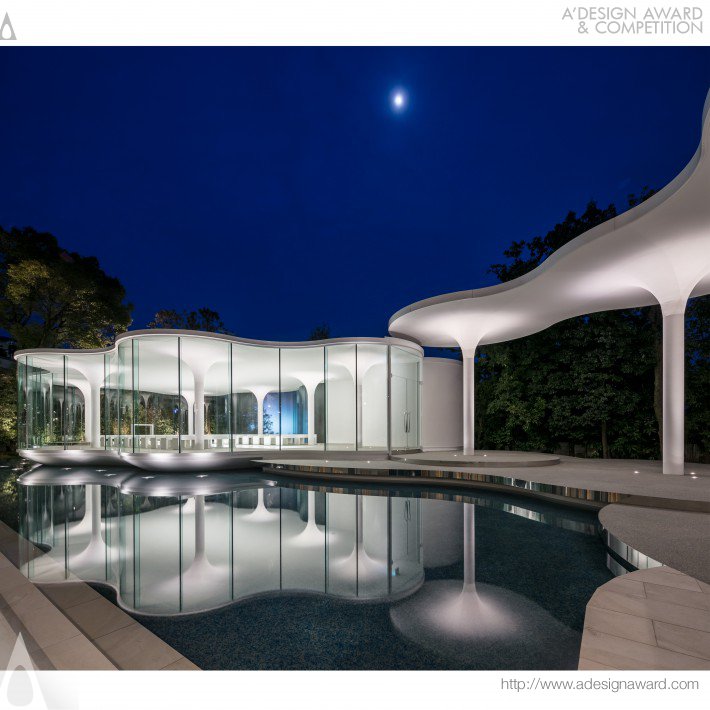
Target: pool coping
{"x": 651, "y": 619}
{"x": 94, "y": 633}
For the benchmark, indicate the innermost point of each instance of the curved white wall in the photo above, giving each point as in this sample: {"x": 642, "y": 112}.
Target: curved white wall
{"x": 442, "y": 404}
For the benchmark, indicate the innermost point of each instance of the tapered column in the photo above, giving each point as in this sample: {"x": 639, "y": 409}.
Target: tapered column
{"x": 311, "y": 415}
{"x": 674, "y": 389}
{"x": 260, "y": 414}
{"x": 93, "y": 415}
{"x": 469, "y": 547}
{"x": 469, "y": 381}
{"x": 199, "y": 411}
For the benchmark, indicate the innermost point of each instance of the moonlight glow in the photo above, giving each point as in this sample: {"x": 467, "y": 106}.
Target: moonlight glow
{"x": 398, "y": 100}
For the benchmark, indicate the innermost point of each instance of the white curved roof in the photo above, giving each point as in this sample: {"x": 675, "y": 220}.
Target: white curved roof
{"x": 657, "y": 252}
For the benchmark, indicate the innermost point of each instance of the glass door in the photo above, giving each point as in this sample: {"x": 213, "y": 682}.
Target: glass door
{"x": 404, "y": 402}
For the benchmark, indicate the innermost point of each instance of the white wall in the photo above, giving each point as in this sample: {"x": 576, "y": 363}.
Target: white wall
{"x": 442, "y": 404}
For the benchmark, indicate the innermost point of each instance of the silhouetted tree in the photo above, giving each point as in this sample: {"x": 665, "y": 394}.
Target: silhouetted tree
{"x": 50, "y": 297}
{"x": 320, "y": 332}
{"x": 201, "y": 319}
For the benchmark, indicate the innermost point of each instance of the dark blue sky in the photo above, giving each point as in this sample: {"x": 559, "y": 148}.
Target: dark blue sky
{"x": 277, "y": 186}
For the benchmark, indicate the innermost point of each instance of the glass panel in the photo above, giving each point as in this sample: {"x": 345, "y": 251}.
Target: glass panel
{"x": 112, "y": 536}
{"x": 125, "y": 396}
{"x": 302, "y": 371}
{"x": 255, "y": 388}
{"x": 205, "y": 387}
{"x": 45, "y": 401}
{"x": 127, "y": 548}
{"x": 303, "y": 541}
{"x": 109, "y": 403}
{"x": 218, "y": 387}
{"x": 257, "y": 541}
{"x": 156, "y": 425}
{"x": 341, "y": 418}
{"x": 405, "y": 524}
{"x": 156, "y": 526}
{"x": 82, "y": 400}
{"x": 372, "y": 397}
{"x": 341, "y": 558}
{"x": 206, "y": 551}
{"x": 404, "y": 409}
{"x": 372, "y": 546}
{"x": 86, "y": 551}
{"x": 22, "y": 433}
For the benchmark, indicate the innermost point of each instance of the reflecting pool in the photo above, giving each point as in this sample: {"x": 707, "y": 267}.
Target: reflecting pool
{"x": 210, "y": 560}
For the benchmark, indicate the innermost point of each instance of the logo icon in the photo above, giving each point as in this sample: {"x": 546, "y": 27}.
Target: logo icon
{"x": 6, "y": 30}
{"x": 20, "y": 687}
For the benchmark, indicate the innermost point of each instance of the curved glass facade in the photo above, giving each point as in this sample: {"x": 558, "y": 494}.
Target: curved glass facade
{"x": 160, "y": 392}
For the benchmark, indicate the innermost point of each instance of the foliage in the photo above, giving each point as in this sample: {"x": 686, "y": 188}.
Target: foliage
{"x": 50, "y": 297}
{"x": 697, "y": 378}
{"x": 320, "y": 332}
{"x": 201, "y": 319}
{"x": 8, "y": 410}
{"x": 588, "y": 385}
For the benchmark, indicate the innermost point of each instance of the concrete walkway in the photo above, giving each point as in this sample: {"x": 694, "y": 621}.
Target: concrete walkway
{"x": 613, "y": 476}
{"x": 69, "y": 626}
{"x": 654, "y": 619}
{"x": 679, "y": 538}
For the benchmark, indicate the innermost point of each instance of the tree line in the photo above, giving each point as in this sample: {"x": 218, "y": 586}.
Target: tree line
{"x": 592, "y": 385}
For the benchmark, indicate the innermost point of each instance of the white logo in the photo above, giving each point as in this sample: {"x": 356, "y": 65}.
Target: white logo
{"x": 6, "y": 31}
{"x": 20, "y": 687}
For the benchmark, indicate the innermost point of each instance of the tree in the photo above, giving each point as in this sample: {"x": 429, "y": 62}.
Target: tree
{"x": 50, "y": 297}
{"x": 587, "y": 381}
{"x": 201, "y": 319}
{"x": 8, "y": 410}
{"x": 320, "y": 332}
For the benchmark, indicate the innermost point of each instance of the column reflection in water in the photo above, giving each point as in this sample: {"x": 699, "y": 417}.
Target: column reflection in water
{"x": 466, "y": 619}
{"x": 303, "y": 540}
{"x": 156, "y": 553}
{"x": 257, "y": 541}
{"x": 207, "y": 532}
{"x": 170, "y": 554}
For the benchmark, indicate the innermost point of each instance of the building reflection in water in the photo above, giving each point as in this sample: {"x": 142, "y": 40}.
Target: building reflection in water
{"x": 196, "y": 550}
{"x": 188, "y": 543}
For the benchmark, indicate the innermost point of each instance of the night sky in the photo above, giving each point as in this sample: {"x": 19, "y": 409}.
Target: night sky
{"x": 279, "y": 187}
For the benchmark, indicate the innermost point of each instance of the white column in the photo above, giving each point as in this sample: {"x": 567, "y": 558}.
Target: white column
{"x": 311, "y": 431}
{"x": 190, "y": 405}
{"x": 469, "y": 380}
{"x": 93, "y": 415}
{"x": 469, "y": 548}
{"x": 674, "y": 389}
{"x": 199, "y": 528}
{"x": 199, "y": 411}
{"x": 260, "y": 414}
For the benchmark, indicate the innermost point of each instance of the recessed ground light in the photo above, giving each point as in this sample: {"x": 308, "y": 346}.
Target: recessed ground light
{"x": 147, "y": 477}
{"x": 635, "y": 471}
{"x": 66, "y": 469}
{"x": 108, "y": 475}
{"x": 100, "y": 470}
{"x": 201, "y": 475}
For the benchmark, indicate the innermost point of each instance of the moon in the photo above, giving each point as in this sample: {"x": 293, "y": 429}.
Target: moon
{"x": 398, "y": 100}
